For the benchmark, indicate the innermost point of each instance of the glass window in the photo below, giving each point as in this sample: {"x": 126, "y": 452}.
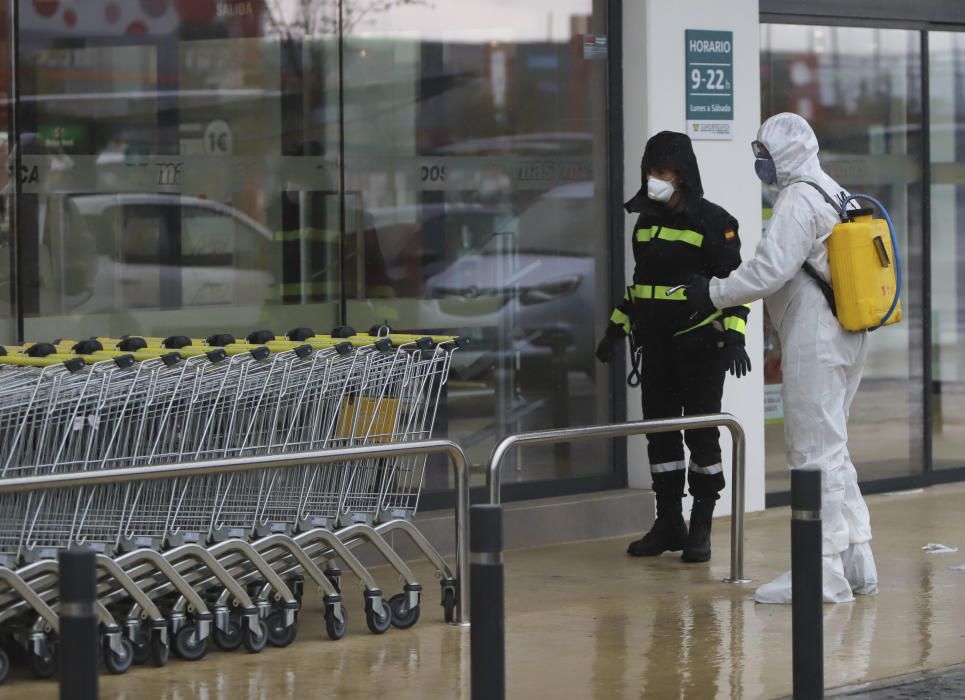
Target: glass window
{"x": 477, "y": 138}
{"x": 947, "y": 97}
{"x": 202, "y": 167}
{"x": 861, "y": 90}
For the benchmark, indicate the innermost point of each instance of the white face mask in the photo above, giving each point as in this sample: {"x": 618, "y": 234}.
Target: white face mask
{"x": 659, "y": 190}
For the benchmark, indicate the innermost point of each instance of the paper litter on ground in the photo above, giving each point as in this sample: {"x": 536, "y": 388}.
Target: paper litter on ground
{"x": 933, "y": 548}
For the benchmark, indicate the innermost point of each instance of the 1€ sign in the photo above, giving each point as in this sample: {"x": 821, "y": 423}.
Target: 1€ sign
{"x": 218, "y": 140}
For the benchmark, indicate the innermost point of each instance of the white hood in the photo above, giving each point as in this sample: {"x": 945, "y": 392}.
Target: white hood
{"x": 801, "y": 222}
{"x": 792, "y": 144}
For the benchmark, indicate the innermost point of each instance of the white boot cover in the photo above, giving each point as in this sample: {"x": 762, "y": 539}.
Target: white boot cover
{"x": 835, "y": 586}
{"x": 860, "y": 569}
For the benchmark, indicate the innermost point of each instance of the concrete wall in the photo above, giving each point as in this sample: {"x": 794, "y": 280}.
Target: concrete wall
{"x": 654, "y": 100}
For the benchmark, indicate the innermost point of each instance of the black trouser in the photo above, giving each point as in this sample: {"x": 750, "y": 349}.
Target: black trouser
{"x": 683, "y": 375}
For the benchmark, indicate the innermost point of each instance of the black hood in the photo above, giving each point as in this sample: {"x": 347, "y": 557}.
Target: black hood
{"x": 673, "y": 150}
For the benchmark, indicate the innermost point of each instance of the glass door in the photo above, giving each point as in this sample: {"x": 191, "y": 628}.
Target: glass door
{"x": 861, "y": 90}
{"x": 947, "y": 132}
{"x": 475, "y": 133}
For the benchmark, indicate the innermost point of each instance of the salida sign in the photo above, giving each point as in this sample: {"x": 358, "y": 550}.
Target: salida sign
{"x": 235, "y": 9}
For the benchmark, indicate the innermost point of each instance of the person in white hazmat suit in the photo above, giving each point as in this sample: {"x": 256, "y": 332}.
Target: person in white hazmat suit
{"x": 821, "y": 363}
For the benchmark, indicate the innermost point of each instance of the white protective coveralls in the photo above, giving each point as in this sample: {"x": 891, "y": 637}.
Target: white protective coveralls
{"x": 821, "y": 362}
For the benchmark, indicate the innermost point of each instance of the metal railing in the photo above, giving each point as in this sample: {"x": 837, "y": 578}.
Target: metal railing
{"x": 454, "y": 452}
{"x": 663, "y": 425}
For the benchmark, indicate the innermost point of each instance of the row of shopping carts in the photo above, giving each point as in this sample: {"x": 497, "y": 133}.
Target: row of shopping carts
{"x": 223, "y": 557}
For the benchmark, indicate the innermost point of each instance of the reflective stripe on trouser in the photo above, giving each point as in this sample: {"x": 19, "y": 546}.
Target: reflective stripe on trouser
{"x": 717, "y": 468}
{"x": 684, "y": 377}
{"x": 668, "y": 467}
{"x": 705, "y": 482}
{"x": 668, "y": 487}
{"x": 822, "y": 366}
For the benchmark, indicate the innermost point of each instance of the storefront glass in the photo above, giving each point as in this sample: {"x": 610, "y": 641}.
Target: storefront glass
{"x": 947, "y": 96}
{"x": 861, "y": 90}
{"x": 226, "y": 166}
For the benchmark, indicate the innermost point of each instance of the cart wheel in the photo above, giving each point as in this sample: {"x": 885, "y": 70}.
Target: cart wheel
{"x": 256, "y": 638}
{"x": 228, "y": 640}
{"x": 403, "y": 617}
{"x": 44, "y": 666}
{"x": 278, "y": 634}
{"x": 160, "y": 652}
{"x": 334, "y": 627}
{"x": 188, "y": 646}
{"x": 449, "y": 604}
{"x": 141, "y": 644}
{"x": 4, "y": 665}
{"x": 119, "y": 663}
{"x": 379, "y": 622}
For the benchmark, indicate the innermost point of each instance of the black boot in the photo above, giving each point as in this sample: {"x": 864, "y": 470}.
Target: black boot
{"x": 698, "y": 539}
{"x": 669, "y": 532}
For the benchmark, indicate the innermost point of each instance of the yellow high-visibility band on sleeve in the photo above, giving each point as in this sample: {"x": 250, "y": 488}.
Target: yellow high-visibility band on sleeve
{"x": 621, "y": 319}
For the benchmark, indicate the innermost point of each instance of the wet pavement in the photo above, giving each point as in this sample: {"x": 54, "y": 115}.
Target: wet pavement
{"x": 586, "y": 621}
{"x": 938, "y": 686}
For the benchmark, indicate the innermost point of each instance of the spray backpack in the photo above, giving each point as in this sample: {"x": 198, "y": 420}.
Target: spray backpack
{"x": 865, "y": 289}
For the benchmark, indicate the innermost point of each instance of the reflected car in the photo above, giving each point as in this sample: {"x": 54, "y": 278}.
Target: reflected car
{"x": 170, "y": 251}
{"x": 533, "y": 280}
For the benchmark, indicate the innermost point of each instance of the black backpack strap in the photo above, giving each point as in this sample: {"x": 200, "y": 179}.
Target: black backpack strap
{"x": 836, "y": 205}
{"x": 826, "y": 288}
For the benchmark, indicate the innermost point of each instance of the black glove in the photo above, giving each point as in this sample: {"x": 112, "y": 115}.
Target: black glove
{"x": 607, "y": 347}
{"x": 735, "y": 359}
{"x": 698, "y": 297}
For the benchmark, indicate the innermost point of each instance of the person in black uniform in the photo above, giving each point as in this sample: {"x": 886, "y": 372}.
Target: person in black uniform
{"x": 679, "y": 234}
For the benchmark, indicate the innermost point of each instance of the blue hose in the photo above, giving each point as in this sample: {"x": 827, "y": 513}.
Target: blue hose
{"x": 894, "y": 246}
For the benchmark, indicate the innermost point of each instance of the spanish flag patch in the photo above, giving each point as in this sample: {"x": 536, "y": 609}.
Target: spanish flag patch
{"x": 730, "y": 235}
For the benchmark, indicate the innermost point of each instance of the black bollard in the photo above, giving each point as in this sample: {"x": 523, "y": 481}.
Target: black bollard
{"x": 807, "y": 614}
{"x": 487, "y": 635}
{"x": 77, "y": 650}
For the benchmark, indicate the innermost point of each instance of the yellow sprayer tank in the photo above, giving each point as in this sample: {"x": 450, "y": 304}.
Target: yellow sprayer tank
{"x": 863, "y": 271}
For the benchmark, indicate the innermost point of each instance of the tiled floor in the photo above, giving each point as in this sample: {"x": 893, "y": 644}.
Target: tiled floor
{"x": 586, "y": 621}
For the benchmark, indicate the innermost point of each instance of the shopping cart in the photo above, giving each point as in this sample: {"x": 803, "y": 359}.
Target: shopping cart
{"x": 229, "y": 553}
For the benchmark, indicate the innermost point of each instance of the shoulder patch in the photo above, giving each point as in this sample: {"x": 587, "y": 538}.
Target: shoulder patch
{"x": 729, "y": 234}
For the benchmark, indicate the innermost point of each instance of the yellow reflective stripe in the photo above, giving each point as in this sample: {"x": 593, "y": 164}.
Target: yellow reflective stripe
{"x": 659, "y": 292}
{"x": 621, "y": 319}
{"x": 645, "y": 235}
{"x": 682, "y": 235}
{"x": 707, "y": 321}
{"x": 732, "y": 323}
